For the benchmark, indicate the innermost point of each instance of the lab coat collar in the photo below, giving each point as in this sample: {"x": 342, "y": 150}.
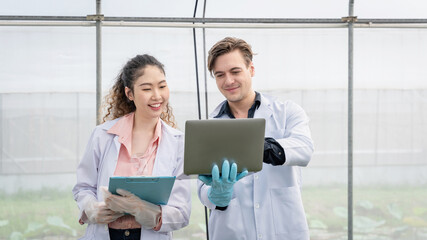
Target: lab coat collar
{"x": 166, "y": 131}
{"x": 217, "y": 109}
{"x": 169, "y": 141}
{"x": 265, "y": 110}
{"x": 165, "y": 127}
{"x": 109, "y": 124}
{"x": 225, "y": 108}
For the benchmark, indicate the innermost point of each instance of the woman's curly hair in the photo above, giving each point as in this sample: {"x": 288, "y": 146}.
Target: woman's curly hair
{"x": 117, "y": 104}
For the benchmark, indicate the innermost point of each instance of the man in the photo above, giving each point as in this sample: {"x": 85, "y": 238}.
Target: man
{"x": 266, "y": 204}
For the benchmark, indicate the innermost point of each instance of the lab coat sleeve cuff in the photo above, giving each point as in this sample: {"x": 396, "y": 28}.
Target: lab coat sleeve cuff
{"x": 159, "y": 224}
{"x": 297, "y": 155}
{"x": 82, "y": 204}
{"x": 172, "y": 219}
{"x": 176, "y": 214}
{"x": 203, "y": 195}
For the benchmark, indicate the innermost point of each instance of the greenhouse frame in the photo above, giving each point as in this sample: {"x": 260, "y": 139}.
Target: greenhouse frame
{"x": 368, "y": 117}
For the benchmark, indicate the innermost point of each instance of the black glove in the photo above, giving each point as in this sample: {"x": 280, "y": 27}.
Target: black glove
{"x": 273, "y": 152}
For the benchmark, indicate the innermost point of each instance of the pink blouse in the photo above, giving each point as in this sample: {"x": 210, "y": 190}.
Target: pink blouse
{"x": 140, "y": 164}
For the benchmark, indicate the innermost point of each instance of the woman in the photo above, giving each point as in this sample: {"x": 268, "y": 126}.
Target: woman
{"x": 140, "y": 141}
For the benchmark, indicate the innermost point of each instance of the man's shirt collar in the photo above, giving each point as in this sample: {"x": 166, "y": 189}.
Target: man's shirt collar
{"x": 225, "y": 108}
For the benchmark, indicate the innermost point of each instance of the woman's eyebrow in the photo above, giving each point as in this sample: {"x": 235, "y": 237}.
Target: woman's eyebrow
{"x": 142, "y": 84}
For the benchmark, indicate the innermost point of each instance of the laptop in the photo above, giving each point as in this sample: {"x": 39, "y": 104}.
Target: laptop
{"x": 209, "y": 142}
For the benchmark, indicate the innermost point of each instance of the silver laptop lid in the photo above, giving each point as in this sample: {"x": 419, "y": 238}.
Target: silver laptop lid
{"x": 211, "y": 141}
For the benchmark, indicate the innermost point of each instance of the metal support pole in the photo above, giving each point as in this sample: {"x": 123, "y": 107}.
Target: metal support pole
{"x": 206, "y": 106}
{"x": 98, "y": 62}
{"x": 223, "y": 23}
{"x": 198, "y": 94}
{"x": 351, "y": 20}
{"x": 326, "y": 21}
{"x": 204, "y": 64}
{"x": 196, "y": 63}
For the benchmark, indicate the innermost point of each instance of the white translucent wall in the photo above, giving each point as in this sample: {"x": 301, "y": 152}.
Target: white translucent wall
{"x": 390, "y": 104}
{"x": 47, "y": 103}
{"x": 48, "y": 7}
{"x": 390, "y": 9}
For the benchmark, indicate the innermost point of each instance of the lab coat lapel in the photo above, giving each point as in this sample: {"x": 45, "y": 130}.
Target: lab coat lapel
{"x": 160, "y": 156}
{"x": 116, "y": 152}
{"x": 108, "y": 162}
{"x": 113, "y": 150}
{"x": 164, "y": 164}
{"x": 264, "y": 110}
{"x": 117, "y": 145}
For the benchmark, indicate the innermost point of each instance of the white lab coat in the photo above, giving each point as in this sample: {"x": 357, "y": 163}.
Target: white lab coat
{"x": 99, "y": 163}
{"x": 267, "y": 204}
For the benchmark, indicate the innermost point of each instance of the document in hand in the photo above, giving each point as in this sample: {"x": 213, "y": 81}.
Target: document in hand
{"x": 152, "y": 189}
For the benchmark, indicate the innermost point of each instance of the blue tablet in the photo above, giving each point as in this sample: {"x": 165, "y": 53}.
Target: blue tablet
{"x": 152, "y": 189}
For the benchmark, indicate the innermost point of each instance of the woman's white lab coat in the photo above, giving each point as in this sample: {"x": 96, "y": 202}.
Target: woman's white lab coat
{"x": 99, "y": 162}
{"x": 267, "y": 204}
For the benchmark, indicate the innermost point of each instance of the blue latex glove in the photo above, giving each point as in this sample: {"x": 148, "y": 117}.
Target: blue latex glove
{"x": 221, "y": 189}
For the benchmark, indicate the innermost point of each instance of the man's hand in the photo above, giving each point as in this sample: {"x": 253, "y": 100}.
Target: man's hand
{"x": 221, "y": 190}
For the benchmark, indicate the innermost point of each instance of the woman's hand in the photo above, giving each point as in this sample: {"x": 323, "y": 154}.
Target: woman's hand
{"x": 98, "y": 212}
{"x": 146, "y": 213}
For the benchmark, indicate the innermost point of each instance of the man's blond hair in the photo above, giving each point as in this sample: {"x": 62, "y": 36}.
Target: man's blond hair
{"x": 228, "y": 45}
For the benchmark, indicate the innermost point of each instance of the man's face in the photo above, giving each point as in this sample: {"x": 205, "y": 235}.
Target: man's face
{"x": 233, "y": 78}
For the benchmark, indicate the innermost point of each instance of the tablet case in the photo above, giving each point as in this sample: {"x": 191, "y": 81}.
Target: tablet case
{"x": 152, "y": 189}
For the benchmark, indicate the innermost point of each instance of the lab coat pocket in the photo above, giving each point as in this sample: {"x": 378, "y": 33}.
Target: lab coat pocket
{"x": 288, "y": 211}
{"x": 227, "y": 224}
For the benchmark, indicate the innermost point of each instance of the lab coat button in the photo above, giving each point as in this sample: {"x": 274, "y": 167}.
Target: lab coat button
{"x": 260, "y": 236}
{"x": 256, "y": 177}
{"x": 256, "y": 205}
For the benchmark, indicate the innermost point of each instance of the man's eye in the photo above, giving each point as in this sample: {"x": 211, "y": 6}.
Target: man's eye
{"x": 146, "y": 89}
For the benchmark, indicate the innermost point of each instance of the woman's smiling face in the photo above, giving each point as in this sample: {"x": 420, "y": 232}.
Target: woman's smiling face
{"x": 150, "y": 92}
